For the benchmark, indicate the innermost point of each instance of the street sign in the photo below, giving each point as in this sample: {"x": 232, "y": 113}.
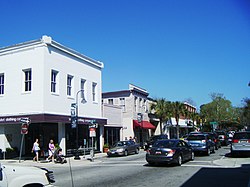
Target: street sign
{"x": 24, "y": 128}
{"x": 93, "y": 126}
{"x": 25, "y": 120}
{"x": 92, "y": 132}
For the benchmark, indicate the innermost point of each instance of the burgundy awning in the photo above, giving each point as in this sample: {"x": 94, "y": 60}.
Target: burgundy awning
{"x": 143, "y": 124}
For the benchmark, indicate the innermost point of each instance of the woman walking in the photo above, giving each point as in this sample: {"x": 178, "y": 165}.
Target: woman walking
{"x": 36, "y": 150}
{"x": 51, "y": 150}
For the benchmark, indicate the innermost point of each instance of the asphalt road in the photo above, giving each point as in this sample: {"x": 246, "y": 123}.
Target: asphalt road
{"x": 218, "y": 169}
{"x": 133, "y": 170}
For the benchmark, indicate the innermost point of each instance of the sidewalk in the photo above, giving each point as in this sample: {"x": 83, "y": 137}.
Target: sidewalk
{"x": 233, "y": 162}
{"x": 43, "y": 163}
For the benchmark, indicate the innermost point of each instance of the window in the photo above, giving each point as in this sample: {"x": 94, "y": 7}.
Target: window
{"x": 122, "y": 104}
{"x": 110, "y": 101}
{"x": 94, "y": 91}
{"x": 27, "y": 80}
{"x": 54, "y": 81}
{"x": 69, "y": 85}
{"x": 83, "y": 81}
{"x": 1, "y": 84}
{"x": 135, "y": 104}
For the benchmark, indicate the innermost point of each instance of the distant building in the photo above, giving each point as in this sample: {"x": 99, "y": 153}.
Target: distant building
{"x": 186, "y": 124}
{"x": 40, "y": 80}
{"x": 135, "y": 105}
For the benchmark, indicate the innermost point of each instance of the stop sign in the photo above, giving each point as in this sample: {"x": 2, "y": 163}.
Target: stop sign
{"x": 24, "y": 128}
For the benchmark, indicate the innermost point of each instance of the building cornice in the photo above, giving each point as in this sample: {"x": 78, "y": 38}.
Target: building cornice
{"x": 47, "y": 41}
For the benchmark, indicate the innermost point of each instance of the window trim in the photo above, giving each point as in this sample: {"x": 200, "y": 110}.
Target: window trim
{"x": 27, "y": 78}
{"x": 54, "y": 84}
{"x": 2, "y": 81}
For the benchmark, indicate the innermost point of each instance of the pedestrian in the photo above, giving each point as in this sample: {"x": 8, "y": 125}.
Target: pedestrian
{"x": 51, "y": 150}
{"x": 36, "y": 149}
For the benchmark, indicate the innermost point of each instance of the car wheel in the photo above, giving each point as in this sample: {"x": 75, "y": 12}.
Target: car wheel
{"x": 125, "y": 153}
{"x": 179, "y": 160}
{"x": 137, "y": 151}
{"x": 192, "y": 156}
{"x": 208, "y": 152}
{"x": 151, "y": 163}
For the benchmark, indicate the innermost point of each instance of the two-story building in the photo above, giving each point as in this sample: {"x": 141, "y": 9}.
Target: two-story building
{"x": 41, "y": 80}
{"x": 135, "y": 109}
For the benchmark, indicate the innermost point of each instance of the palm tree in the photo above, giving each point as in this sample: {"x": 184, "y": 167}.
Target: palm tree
{"x": 162, "y": 110}
{"x": 178, "y": 109}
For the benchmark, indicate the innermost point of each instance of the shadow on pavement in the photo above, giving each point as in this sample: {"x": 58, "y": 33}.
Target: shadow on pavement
{"x": 229, "y": 177}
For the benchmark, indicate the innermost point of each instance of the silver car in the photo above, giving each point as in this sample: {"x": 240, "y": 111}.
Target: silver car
{"x": 240, "y": 143}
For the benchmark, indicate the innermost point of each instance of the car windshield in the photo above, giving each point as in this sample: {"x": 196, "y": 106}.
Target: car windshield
{"x": 119, "y": 144}
{"x": 196, "y": 137}
{"x": 242, "y": 136}
{"x": 164, "y": 144}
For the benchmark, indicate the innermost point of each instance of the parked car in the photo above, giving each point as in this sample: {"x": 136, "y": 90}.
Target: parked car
{"x": 169, "y": 151}
{"x": 124, "y": 148}
{"x": 214, "y": 137}
{"x": 153, "y": 139}
{"x": 240, "y": 143}
{"x": 223, "y": 137}
{"x": 16, "y": 175}
{"x": 201, "y": 142}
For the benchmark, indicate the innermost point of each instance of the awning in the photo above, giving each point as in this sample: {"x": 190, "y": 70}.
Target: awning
{"x": 143, "y": 124}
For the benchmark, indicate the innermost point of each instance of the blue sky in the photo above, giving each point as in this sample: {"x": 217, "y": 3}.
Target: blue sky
{"x": 175, "y": 49}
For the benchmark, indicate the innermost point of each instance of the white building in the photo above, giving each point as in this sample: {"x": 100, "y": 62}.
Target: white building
{"x": 40, "y": 80}
{"x": 135, "y": 109}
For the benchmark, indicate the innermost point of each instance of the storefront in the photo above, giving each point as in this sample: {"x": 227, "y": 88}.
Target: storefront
{"x": 46, "y": 127}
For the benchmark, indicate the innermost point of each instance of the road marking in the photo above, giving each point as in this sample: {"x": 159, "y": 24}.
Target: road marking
{"x": 205, "y": 161}
{"x": 207, "y": 166}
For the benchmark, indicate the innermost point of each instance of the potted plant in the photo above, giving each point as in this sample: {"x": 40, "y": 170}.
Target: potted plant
{"x": 105, "y": 147}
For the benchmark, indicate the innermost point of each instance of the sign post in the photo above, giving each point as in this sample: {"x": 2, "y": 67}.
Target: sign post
{"x": 92, "y": 134}
{"x": 24, "y": 130}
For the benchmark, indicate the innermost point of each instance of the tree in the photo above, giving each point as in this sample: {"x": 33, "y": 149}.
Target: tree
{"x": 162, "y": 110}
{"x": 245, "y": 117}
{"x": 178, "y": 109}
{"x": 220, "y": 110}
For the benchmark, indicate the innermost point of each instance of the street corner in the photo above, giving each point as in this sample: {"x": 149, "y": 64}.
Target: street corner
{"x": 233, "y": 162}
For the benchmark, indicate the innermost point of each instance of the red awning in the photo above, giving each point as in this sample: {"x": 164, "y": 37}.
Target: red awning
{"x": 143, "y": 124}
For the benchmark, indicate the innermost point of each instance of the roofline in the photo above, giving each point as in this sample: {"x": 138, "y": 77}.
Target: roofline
{"x": 47, "y": 41}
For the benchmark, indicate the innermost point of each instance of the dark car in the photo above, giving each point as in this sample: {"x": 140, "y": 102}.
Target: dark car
{"x": 169, "y": 151}
{"x": 215, "y": 137}
{"x": 240, "y": 143}
{"x": 124, "y": 148}
{"x": 201, "y": 142}
{"x": 153, "y": 139}
{"x": 223, "y": 137}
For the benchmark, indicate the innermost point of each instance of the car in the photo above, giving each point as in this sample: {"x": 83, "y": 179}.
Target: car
{"x": 170, "y": 151}
{"x": 215, "y": 137}
{"x": 16, "y": 175}
{"x": 201, "y": 143}
{"x": 153, "y": 139}
{"x": 124, "y": 148}
{"x": 223, "y": 137}
{"x": 240, "y": 143}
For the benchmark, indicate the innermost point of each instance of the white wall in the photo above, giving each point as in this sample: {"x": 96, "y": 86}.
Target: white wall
{"x": 42, "y": 60}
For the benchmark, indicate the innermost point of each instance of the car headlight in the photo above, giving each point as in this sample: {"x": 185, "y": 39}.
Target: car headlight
{"x": 120, "y": 150}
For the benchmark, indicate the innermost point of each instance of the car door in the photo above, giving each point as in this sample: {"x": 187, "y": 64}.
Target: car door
{"x": 185, "y": 150}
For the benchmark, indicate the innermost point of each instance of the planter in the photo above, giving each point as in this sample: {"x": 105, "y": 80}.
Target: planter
{"x": 105, "y": 149}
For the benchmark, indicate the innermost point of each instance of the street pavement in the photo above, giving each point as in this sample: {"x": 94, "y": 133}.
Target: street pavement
{"x": 236, "y": 170}
{"x": 225, "y": 161}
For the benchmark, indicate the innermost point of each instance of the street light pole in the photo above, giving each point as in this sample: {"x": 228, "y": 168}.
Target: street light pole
{"x": 77, "y": 141}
